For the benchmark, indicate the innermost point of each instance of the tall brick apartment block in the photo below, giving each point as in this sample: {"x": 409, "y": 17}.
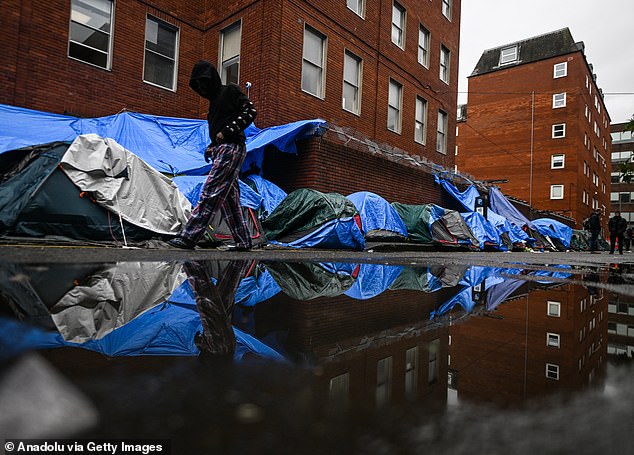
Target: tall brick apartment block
{"x": 385, "y": 69}
{"x": 622, "y": 194}
{"x": 536, "y": 118}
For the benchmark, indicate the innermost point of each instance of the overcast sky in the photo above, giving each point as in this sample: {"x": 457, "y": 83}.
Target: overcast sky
{"x": 604, "y": 26}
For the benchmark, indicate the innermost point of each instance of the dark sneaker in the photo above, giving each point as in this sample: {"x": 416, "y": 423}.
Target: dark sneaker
{"x": 179, "y": 242}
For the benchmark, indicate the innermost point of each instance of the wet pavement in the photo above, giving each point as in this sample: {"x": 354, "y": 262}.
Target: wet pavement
{"x": 278, "y": 351}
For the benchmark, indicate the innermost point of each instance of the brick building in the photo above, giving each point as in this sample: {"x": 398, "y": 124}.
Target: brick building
{"x": 536, "y": 118}
{"x": 622, "y": 194}
{"x": 385, "y": 69}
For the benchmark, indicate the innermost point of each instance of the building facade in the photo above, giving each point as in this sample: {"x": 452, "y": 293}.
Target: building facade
{"x": 536, "y": 122}
{"x": 387, "y": 69}
{"x": 622, "y": 194}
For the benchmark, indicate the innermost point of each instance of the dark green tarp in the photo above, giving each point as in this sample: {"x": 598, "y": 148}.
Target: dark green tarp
{"x": 307, "y": 280}
{"x": 304, "y": 210}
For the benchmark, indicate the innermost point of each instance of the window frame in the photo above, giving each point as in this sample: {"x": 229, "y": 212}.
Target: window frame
{"x": 558, "y": 66}
{"x": 552, "y": 191}
{"x": 506, "y": 61}
{"x": 446, "y": 8}
{"x": 558, "y": 102}
{"x": 223, "y": 64}
{"x": 426, "y": 48}
{"x": 359, "y": 62}
{"x": 400, "y": 27}
{"x": 399, "y": 108}
{"x": 553, "y": 340}
{"x": 551, "y": 304}
{"x": 445, "y": 67}
{"x": 555, "y": 131}
{"x": 442, "y": 134}
{"x": 322, "y": 80}
{"x": 552, "y": 371}
{"x": 176, "y": 29}
{"x": 423, "y": 122}
{"x": 110, "y": 33}
{"x": 553, "y": 160}
{"x": 360, "y": 11}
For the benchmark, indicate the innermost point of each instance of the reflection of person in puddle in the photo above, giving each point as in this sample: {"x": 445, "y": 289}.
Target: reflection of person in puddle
{"x": 215, "y": 304}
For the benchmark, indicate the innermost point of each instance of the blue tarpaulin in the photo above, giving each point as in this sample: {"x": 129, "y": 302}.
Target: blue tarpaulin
{"x": 271, "y": 194}
{"x": 502, "y": 206}
{"x": 191, "y": 187}
{"x": 170, "y": 145}
{"x": 467, "y": 198}
{"x": 502, "y": 225}
{"x": 372, "y": 280}
{"x": 484, "y": 231}
{"x": 554, "y": 229}
{"x": 377, "y": 214}
{"x": 340, "y": 233}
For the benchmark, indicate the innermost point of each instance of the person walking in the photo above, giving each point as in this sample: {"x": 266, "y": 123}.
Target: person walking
{"x": 594, "y": 226}
{"x": 230, "y": 112}
{"x": 617, "y": 226}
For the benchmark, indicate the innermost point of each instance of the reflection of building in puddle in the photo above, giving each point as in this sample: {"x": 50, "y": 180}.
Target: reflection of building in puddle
{"x": 543, "y": 340}
{"x": 621, "y": 313}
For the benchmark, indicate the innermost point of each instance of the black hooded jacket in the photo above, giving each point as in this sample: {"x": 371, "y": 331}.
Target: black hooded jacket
{"x": 230, "y": 111}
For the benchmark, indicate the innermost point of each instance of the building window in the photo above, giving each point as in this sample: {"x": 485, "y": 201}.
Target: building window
{"x": 383, "y": 381}
{"x": 445, "y": 60}
{"x": 90, "y": 35}
{"x": 557, "y": 161}
{"x": 230, "y": 53}
{"x": 161, "y": 48}
{"x": 358, "y": 6}
{"x": 552, "y": 371}
{"x": 446, "y": 8}
{"x": 395, "y": 99}
{"x": 433, "y": 370}
{"x": 420, "y": 128}
{"x": 398, "y": 25}
{"x": 339, "y": 389}
{"x": 554, "y": 308}
{"x": 423, "y": 46}
{"x": 351, "y": 100}
{"x": 411, "y": 373}
{"x": 560, "y": 70}
{"x": 559, "y": 100}
{"x": 508, "y": 55}
{"x": 553, "y": 340}
{"x": 441, "y": 136}
{"x": 556, "y": 191}
{"x": 313, "y": 62}
{"x": 559, "y": 130}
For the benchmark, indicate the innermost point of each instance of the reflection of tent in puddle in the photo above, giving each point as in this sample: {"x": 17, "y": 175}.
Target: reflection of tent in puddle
{"x": 307, "y": 280}
{"x": 372, "y": 280}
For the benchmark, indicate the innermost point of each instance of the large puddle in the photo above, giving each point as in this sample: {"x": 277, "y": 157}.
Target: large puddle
{"x": 257, "y": 357}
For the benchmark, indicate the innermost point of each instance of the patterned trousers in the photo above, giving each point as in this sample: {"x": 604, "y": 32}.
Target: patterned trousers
{"x": 221, "y": 191}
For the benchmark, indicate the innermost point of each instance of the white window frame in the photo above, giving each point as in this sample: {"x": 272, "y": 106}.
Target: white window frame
{"x": 81, "y": 20}
{"x": 557, "y": 161}
{"x": 160, "y": 23}
{"x": 553, "y": 308}
{"x": 447, "y": 8}
{"x": 508, "y": 55}
{"x": 320, "y": 66}
{"x": 395, "y": 106}
{"x": 553, "y": 340}
{"x": 339, "y": 389}
{"x": 559, "y": 131}
{"x": 398, "y": 29}
{"x": 445, "y": 64}
{"x": 411, "y": 372}
{"x": 383, "y": 381}
{"x": 351, "y": 58}
{"x": 560, "y": 70}
{"x": 441, "y": 132}
{"x": 552, "y": 371}
{"x": 559, "y": 100}
{"x": 554, "y": 189}
{"x": 226, "y": 62}
{"x": 424, "y": 40}
{"x": 357, "y": 6}
{"x": 420, "y": 120}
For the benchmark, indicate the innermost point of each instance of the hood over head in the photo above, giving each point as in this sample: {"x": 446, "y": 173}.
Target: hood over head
{"x": 205, "y": 80}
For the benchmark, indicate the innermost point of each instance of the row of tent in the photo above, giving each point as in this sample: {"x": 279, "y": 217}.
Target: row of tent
{"x": 131, "y": 308}
{"x": 132, "y": 177}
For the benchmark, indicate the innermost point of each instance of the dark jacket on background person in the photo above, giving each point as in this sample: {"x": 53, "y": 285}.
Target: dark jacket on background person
{"x": 230, "y": 111}
{"x": 594, "y": 222}
{"x": 617, "y": 225}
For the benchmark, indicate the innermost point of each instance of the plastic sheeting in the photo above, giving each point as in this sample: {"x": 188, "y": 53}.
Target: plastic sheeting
{"x": 192, "y": 186}
{"x": 340, "y": 233}
{"x": 272, "y": 195}
{"x": 372, "y": 280}
{"x": 502, "y": 206}
{"x": 484, "y": 231}
{"x": 554, "y": 229}
{"x": 467, "y": 198}
{"x": 378, "y": 217}
{"x": 502, "y": 225}
{"x": 169, "y": 144}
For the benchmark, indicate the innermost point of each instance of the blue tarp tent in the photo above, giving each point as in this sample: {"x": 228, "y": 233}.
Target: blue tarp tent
{"x": 191, "y": 187}
{"x": 554, "y": 229}
{"x": 504, "y": 226}
{"x": 467, "y": 198}
{"x": 372, "y": 280}
{"x": 340, "y": 233}
{"x": 378, "y": 217}
{"x": 271, "y": 194}
{"x": 484, "y": 231}
{"x": 170, "y": 145}
{"x": 502, "y": 206}
{"x": 255, "y": 289}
